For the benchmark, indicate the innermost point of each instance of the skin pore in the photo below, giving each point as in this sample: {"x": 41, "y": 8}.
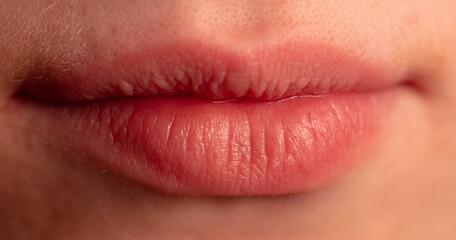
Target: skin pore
{"x": 404, "y": 188}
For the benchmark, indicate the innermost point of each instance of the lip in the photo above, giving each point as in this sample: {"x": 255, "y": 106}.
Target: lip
{"x": 195, "y": 119}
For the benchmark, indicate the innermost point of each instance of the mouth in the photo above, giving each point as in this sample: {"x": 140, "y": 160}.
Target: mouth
{"x": 193, "y": 119}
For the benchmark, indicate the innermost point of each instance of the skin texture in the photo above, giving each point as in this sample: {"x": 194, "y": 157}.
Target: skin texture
{"x": 403, "y": 190}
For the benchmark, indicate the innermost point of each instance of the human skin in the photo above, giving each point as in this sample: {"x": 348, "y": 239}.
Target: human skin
{"x": 403, "y": 188}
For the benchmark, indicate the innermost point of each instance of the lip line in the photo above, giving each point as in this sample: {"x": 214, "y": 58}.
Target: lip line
{"x": 24, "y": 94}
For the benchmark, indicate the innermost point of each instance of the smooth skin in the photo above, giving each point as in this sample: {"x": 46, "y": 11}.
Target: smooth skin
{"x": 405, "y": 188}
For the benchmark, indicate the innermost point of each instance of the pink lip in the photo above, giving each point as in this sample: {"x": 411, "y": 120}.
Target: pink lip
{"x": 136, "y": 115}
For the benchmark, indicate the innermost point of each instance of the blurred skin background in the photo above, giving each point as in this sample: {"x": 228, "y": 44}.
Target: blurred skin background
{"x": 403, "y": 189}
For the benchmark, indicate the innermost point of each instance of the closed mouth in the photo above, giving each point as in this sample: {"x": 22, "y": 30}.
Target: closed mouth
{"x": 194, "y": 119}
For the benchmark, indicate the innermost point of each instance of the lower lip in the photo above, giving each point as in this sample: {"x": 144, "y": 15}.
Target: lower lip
{"x": 188, "y": 146}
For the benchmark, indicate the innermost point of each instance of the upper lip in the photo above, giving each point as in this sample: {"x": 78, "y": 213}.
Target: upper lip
{"x": 215, "y": 73}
